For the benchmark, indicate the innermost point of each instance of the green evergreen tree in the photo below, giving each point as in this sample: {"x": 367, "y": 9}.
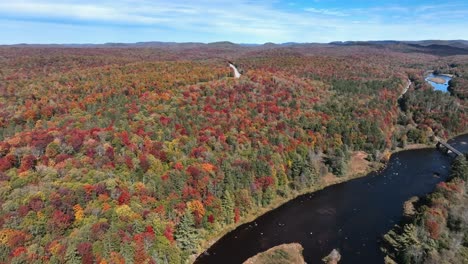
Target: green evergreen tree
{"x": 186, "y": 234}
{"x": 337, "y": 163}
{"x": 460, "y": 168}
{"x": 267, "y": 196}
{"x": 166, "y": 253}
{"x": 71, "y": 254}
{"x": 297, "y": 169}
{"x": 228, "y": 207}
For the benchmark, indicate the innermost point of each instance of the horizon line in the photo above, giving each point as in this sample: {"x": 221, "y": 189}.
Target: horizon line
{"x": 221, "y": 41}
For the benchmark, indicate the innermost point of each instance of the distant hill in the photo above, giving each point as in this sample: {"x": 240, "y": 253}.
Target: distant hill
{"x": 435, "y": 47}
{"x": 350, "y": 43}
{"x": 441, "y": 50}
{"x": 453, "y": 43}
{"x": 222, "y": 44}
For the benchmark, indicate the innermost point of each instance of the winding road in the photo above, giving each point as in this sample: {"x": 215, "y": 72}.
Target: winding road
{"x": 236, "y": 72}
{"x": 406, "y": 89}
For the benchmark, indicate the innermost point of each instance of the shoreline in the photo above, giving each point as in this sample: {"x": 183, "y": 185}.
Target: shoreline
{"x": 276, "y": 203}
{"x": 447, "y": 75}
{"x": 429, "y": 72}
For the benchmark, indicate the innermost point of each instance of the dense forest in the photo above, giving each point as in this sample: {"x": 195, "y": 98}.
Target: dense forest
{"x": 436, "y": 232}
{"x": 138, "y": 155}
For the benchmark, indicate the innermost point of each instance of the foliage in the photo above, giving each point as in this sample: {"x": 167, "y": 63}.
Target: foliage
{"x": 135, "y": 155}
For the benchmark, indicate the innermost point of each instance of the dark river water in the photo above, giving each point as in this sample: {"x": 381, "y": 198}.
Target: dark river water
{"x": 350, "y": 216}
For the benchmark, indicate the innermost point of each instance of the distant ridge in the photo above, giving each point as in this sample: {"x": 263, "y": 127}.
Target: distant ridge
{"x": 222, "y": 43}
{"x": 378, "y": 42}
{"x": 458, "y": 43}
{"x": 453, "y": 43}
{"x": 436, "y": 47}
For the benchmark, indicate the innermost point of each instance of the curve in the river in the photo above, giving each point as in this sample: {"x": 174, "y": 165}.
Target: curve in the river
{"x": 351, "y": 216}
{"x": 439, "y": 86}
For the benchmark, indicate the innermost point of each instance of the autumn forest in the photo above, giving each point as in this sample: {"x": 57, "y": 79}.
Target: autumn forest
{"x": 121, "y": 154}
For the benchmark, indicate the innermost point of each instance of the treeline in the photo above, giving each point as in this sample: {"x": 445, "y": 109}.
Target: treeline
{"x": 438, "y": 231}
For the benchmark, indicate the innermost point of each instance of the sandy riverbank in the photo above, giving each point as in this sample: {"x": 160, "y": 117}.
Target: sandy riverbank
{"x": 285, "y": 253}
{"x": 448, "y": 75}
{"x": 437, "y": 80}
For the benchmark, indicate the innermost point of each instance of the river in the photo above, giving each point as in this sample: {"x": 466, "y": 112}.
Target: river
{"x": 439, "y": 86}
{"x": 350, "y": 216}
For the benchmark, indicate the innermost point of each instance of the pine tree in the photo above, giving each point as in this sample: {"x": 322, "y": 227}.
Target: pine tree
{"x": 268, "y": 196}
{"x": 71, "y": 254}
{"x": 296, "y": 165}
{"x": 186, "y": 234}
{"x": 297, "y": 171}
{"x": 400, "y": 241}
{"x": 228, "y": 207}
{"x": 460, "y": 168}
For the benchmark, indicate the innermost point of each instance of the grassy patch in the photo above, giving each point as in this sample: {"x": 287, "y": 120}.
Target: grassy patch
{"x": 286, "y": 253}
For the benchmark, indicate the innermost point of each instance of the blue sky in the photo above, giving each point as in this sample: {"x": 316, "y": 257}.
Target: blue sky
{"x": 241, "y": 21}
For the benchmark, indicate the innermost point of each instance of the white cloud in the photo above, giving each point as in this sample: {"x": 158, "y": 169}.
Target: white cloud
{"x": 84, "y": 12}
{"x": 327, "y": 12}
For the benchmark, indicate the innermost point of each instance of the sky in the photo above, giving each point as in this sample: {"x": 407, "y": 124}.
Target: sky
{"x": 241, "y": 21}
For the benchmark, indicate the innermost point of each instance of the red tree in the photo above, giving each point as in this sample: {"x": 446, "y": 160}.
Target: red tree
{"x": 124, "y": 197}
{"x": 85, "y": 249}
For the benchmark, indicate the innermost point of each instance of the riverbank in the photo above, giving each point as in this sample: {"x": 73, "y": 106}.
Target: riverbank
{"x": 429, "y": 72}
{"x": 327, "y": 180}
{"x": 358, "y": 167}
{"x": 447, "y": 75}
